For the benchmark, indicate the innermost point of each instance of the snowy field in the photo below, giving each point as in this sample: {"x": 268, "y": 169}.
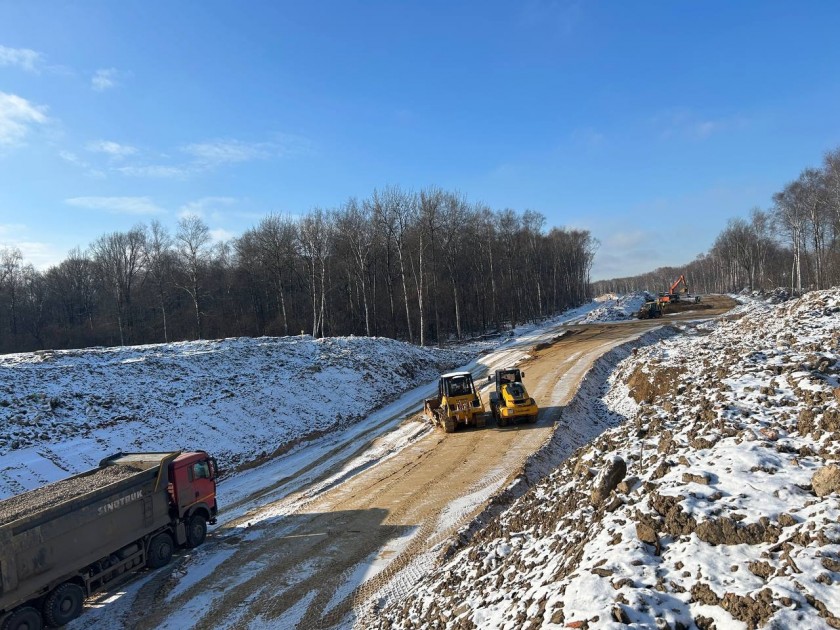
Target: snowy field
{"x": 238, "y": 398}
{"x": 241, "y": 399}
{"x": 711, "y": 503}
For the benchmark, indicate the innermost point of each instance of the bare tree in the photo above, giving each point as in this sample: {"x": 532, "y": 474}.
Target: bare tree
{"x": 159, "y": 260}
{"x": 276, "y": 237}
{"x": 315, "y": 240}
{"x": 119, "y": 257}
{"x": 10, "y": 282}
{"x": 192, "y": 239}
{"x": 791, "y": 215}
{"x": 355, "y": 223}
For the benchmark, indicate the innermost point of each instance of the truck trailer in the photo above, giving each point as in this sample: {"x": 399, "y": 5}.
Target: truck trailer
{"x": 67, "y": 540}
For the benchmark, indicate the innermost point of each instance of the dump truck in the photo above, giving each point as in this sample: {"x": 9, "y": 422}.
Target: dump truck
{"x": 456, "y": 404}
{"x": 64, "y": 541}
{"x": 510, "y": 400}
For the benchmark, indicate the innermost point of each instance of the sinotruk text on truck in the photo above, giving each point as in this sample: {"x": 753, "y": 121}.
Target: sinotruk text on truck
{"x": 64, "y": 541}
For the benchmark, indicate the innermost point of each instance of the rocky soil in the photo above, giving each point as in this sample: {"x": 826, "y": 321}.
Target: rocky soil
{"x": 714, "y": 503}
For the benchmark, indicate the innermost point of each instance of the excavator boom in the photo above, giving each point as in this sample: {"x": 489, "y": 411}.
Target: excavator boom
{"x": 679, "y": 281}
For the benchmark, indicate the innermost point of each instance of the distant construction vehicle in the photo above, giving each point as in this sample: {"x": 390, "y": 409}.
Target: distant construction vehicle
{"x": 675, "y": 295}
{"x": 650, "y": 310}
{"x": 510, "y": 400}
{"x": 457, "y": 403}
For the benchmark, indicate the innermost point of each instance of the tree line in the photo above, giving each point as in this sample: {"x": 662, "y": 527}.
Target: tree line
{"x": 793, "y": 244}
{"x": 424, "y": 267}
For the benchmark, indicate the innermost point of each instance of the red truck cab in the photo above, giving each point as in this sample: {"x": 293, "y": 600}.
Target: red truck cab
{"x": 193, "y": 484}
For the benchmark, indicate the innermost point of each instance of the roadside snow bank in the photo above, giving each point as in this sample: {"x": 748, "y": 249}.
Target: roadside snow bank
{"x": 615, "y": 309}
{"x": 715, "y": 504}
{"x": 62, "y": 411}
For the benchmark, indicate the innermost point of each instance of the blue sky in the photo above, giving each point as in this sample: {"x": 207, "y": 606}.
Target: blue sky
{"x": 648, "y": 123}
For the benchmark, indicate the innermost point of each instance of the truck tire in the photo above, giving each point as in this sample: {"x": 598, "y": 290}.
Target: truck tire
{"x": 160, "y": 551}
{"x": 63, "y": 604}
{"x": 24, "y": 618}
{"x": 196, "y": 530}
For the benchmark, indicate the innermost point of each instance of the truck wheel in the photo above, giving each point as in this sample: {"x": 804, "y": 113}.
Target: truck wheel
{"x": 64, "y": 604}
{"x": 25, "y": 618}
{"x": 196, "y": 530}
{"x": 160, "y": 551}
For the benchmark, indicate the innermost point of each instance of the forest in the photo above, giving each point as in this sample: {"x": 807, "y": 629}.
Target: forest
{"x": 425, "y": 267}
{"x": 793, "y": 245}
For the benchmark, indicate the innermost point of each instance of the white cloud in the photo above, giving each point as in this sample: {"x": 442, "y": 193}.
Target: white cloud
{"x": 75, "y": 160}
{"x": 156, "y": 171}
{"x": 209, "y": 155}
{"x": 117, "y": 205}
{"x": 684, "y": 123}
{"x": 104, "y": 79}
{"x": 40, "y": 255}
{"x": 292, "y": 145}
{"x": 7, "y": 230}
{"x": 24, "y": 58}
{"x": 200, "y": 207}
{"x": 112, "y": 149}
{"x": 220, "y": 234}
{"x": 628, "y": 239}
{"x": 217, "y": 152}
{"x": 17, "y": 116}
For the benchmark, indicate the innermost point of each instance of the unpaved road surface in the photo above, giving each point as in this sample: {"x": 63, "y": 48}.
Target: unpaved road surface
{"x": 321, "y": 555}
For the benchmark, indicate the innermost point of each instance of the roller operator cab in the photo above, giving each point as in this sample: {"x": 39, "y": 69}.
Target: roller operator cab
{"x": 67, "y": 540}
{"x": 457, "y": 403}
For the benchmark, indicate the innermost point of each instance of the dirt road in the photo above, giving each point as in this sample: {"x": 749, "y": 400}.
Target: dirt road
{"x": 318, "y": 559}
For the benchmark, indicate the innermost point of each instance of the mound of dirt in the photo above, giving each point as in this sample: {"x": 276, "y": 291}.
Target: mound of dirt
{"x": 45, "y": 497}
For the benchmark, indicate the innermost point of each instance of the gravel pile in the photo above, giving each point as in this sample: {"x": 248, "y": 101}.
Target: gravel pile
{"x": 48, "y": 496}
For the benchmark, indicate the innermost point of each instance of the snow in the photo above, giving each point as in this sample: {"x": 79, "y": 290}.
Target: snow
{"x": 318, "y": 402}
{"x": 614, "y": 308}
{"x": 722, "y": 429}
{"x": 238, "y": 398}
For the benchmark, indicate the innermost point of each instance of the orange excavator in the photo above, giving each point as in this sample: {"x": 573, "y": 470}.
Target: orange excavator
{"x": 675, "y": 293}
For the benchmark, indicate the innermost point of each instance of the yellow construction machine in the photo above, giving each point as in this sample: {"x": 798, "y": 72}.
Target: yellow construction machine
{"x": 457, "y": 403}
{"x": 510, "y": 401}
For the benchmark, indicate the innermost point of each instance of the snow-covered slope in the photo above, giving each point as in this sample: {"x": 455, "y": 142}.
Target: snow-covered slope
{"x": 241, "y": 399}
{"x": 61, "y": 412}
{"x": 713, "y": 504}
{"x": 615, "y": 308}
